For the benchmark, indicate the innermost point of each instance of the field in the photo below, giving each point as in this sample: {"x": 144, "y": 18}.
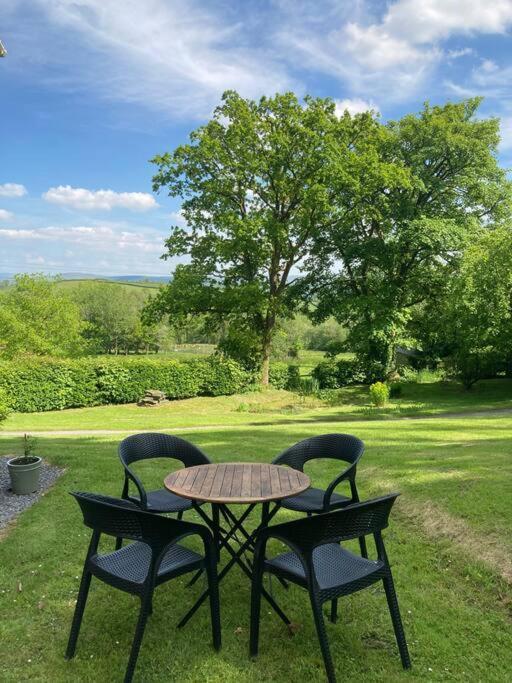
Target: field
{"x": 449, "y": 542}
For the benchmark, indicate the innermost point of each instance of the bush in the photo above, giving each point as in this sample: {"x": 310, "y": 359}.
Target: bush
{"x": 471, "y": 367}
{"x": 335, "y": 374}
{"x": 379, "y": 394}
{"x": 5, "y": 407}
{"x": 294, "y": 378}
{"x": 40, "y": 384}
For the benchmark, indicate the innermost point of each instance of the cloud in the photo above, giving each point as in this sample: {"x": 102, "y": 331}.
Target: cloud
{"x": 176, "y": 56}
{"x": 354, "y": 106}
{"x": 394, "y": 54}
{"x": 12, "y": 190}
{"x": 80, "y": 198}
{"x": 105, "y": 237}
{"x": 5, "y": 215}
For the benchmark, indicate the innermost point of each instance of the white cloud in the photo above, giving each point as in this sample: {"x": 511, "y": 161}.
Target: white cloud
{"x": 80, "y": 198}
{"x": 104, "y": 238}
{"x": 178, "y": 218}
{"x": 5, "y": 215}
{"x": 12, "y": 190}
{"x": 392, "y": 55}
{"x": 354, "y": 106}
{"x": 177, "y": 56}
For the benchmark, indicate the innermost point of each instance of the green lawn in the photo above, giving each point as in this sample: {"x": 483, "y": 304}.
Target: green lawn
{"x": 273, "y": 407}
{"x": 449, "y": 542}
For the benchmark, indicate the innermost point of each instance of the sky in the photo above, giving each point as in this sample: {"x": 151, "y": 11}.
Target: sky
{"x": 91, "y": 90}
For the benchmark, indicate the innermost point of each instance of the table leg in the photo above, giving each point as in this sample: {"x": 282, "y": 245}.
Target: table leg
{"x": 236, "y": 555}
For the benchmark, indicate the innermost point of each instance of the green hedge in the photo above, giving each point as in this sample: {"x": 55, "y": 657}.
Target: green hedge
{"x": 336, "y": 373}
{"x": 40, "y": 384}
{"x": 284, "y": 376}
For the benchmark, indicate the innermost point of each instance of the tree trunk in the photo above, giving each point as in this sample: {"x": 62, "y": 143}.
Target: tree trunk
{"x": 265, "y": 365}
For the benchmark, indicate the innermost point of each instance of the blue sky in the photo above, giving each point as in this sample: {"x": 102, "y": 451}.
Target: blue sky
{"x": 92, "y": 89}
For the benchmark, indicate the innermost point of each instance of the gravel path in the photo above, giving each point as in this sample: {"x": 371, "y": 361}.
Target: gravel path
{"x": 11, "y": 505}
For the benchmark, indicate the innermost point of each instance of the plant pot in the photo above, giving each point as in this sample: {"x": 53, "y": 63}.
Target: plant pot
{"x": 24, "y": 475}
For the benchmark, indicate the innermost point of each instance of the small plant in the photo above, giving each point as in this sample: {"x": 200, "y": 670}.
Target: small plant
{"x": 29, "y": 445}
{"x": 379, "y": 394}
{"x": 242, "y": 408}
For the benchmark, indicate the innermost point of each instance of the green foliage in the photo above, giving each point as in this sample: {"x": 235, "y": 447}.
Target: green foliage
{"x": 5, "y": 404}
{"x": 410, "y": 197}
{"x": 38, "y": 318}
{"x": 379, "y": 394}
{"x": 294, "y": 379}
{"x": 395, "y": 390}
{"x": 40, "y": 384}
{"x": 476, "y": 313}
{"x": 252, "y": 184}
{"x": 336, "y": 373}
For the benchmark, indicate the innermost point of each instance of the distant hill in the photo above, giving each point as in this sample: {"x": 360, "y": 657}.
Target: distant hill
{"x": 112, "y": 278}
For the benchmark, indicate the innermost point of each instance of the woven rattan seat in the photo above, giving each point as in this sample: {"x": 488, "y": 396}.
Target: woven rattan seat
{"x": 133, "y": 562}
{"x": 312, "y": 500}
{"x": 333, "y": 566}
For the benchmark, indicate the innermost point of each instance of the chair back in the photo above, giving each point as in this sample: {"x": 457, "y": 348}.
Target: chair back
{"x": 123, "y": 519}
{"x": 355, "y": 521}
{"x": 344, "y": 447}
{"x": 157, "y": 445}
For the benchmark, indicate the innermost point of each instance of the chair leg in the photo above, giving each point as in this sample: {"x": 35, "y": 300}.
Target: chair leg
{"x": 119, "y": 543}
{"x": 397, "y": 621}
{"x": 322, "y": 637}
{"x": 213, "y": 586}
{"x": 216, "y": 533}
{"x": 179, "y": 515}
{"x": 362, "y": 546}
{"x": 334, "y": 611}
{"x": 255, "y": 611}
{"x": 83, "y": 592}
{"x": 139, "y": 632}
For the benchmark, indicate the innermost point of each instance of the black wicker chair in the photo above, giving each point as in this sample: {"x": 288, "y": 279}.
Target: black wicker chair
{"x": 343, "y": 447}
{"x": 319, "y": 563}
{"x": 156, "y": 445}
{"x": 153, "y": 558}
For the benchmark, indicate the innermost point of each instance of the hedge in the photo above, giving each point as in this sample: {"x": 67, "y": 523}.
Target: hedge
{"x": 336, "y": 373}
{"x": 38, "y": 384}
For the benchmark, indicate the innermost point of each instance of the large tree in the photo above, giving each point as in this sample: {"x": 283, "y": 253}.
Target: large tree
{"x": 420, "y": 189}
{"x": 254, "y": 197}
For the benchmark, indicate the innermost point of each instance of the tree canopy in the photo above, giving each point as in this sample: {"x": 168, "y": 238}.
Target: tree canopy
{"x": 255, "y": 199}
{"x": 416, "y": 193}
{"x": 38, "y": 318}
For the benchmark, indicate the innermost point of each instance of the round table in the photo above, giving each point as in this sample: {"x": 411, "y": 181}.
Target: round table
{"x": 236, "y": 483}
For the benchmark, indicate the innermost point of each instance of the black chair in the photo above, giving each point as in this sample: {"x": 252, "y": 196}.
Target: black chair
{"x": 344, "y": 447}
{"x": 319, "y": 563}
{"x": 153, "y": 557}
{"x": 156, "y": 445}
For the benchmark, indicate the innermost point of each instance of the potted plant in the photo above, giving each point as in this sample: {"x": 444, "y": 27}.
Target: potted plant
{"x": 24, "y": 469}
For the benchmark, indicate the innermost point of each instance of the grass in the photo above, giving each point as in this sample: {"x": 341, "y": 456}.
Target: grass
{"x": 449, "y": 543}
{"x": 456, "y": 609}
{"x": 274, "y": 407}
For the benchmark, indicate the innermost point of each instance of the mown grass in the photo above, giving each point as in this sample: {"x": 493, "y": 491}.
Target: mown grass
{"x": 274, "y": 407}
{"x": 456, "y": 603}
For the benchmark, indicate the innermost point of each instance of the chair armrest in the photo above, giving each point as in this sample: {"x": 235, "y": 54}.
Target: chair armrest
{"x": 347, "y": 475}
{"x": 129, "y": 475}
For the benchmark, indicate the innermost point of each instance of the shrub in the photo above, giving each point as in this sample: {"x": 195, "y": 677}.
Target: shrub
{"x": 278, "y": 375}
{"x": 40, "y": 384}
{"x": 294, "y": 379}
{"x": 5, "y": 407}
{"x": 471, "y": 367}
{"x": 342, "y": 372}
{"x": 379, "y": 394}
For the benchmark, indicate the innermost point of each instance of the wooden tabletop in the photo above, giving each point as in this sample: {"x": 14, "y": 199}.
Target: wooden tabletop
{"x": 237, "y": 482}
